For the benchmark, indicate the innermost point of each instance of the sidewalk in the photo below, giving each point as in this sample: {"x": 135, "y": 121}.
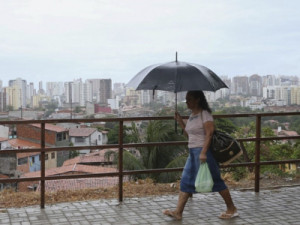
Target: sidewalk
{"x": 280, "y": 206}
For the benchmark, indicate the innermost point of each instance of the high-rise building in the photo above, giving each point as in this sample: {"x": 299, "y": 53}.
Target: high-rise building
{"x": 255, "y": 85}
{"x": 54, "y": 88}
{"x": 105, "y": 90}
{"x": 119, "y": 89}
{"x": 14, "y": 97}
{"x": 101, "y": 90}
{"x": 240, "y": 85}
{"x": 17, "y": 93}
{"x": 295, "y": 95}
{"x": 2, "y": 100}
{"x": 95, "y": 88}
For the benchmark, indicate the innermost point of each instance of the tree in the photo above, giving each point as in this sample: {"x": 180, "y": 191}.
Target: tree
{"x": 77, "y": 109}
{"x": 225, "y": 125}
{"x": 74, "y": 153}
{"x": 113, "y": 134}
{"x": 154, "y": 157}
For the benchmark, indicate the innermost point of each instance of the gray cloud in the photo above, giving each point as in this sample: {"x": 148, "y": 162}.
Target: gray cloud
{"x": 58, "y": 40}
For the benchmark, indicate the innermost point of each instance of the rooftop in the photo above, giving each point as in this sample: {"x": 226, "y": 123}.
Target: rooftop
{"x": 72, "y": 168}
{"x": 94, "y": 157}
{"x": 20, "y": 143}
{"x": 50, "y": 127}
{"x": 81, "y": 132}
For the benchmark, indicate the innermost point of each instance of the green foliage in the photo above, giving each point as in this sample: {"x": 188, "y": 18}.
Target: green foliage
{"x": 77, "y": 109}
{"x": 296, "y": 153}
{"x": 50, "y": 108}
{"x": 9, "y": 108}
{"x": 74, "y": 153}
{"x": 129, "y": 135}
{"x": 239, "y": 173}
{"x": 225, "y": 125}
{"x": 295, "y": 124}
{"x": 176, "y": 163}
{"x": 281, "y": 152}
{"x": 152, "y": 157}
{"x": 272, "y": 170}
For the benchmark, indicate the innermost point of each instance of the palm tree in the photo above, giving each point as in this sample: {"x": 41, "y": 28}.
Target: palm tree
{"x": 154, "y": 157}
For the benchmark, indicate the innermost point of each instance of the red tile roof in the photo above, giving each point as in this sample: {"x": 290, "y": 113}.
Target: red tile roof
{"x": 3, "y": 139}
{"x": 90, "y": 157}
{"x": 50, "y": 127}
{"x": 3, "y": 176}
{"x": 285, "y": 133}
{"x": 85, "y": 169}
{"x": 81, "y": 132}
{"x": 17, "y": 142}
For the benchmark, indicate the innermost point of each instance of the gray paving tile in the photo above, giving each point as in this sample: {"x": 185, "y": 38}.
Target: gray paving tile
{"x": 279, "y": 206}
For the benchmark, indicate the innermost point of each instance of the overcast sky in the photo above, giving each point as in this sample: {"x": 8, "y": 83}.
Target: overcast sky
{"x": 63, "y": 40}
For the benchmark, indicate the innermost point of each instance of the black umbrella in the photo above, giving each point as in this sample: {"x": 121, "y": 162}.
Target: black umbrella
{"x": 176, "y": 77}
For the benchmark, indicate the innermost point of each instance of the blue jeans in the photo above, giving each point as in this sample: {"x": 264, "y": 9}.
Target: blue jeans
{"x": 187, "y": 183}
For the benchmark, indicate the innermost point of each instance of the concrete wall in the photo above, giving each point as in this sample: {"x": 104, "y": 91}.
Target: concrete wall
{"x": 8, "y": 163}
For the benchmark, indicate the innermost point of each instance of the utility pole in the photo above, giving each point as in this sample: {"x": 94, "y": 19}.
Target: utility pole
{"x": 21, "y": 108}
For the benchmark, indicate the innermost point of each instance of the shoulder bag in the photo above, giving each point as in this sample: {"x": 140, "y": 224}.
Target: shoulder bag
{"x": 224, "y": 148}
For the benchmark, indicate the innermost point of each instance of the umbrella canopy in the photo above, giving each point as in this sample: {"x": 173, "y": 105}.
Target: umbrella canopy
{"x": 176, "y": 77}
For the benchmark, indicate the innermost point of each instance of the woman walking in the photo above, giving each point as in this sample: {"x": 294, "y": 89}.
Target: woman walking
{"x": 199, "y": 129}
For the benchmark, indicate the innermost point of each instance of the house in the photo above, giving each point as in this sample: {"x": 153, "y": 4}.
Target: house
{"x": 6, "y": 185}
{"x": 55, "y": 136}
{"x": 4, "y": 131}
{"x": 8, "y": 161}
{"x": 85, "y": 137}
{"x": 3, "y": 143}
{"x": 71, "y": 184}
{"x": 95, "y": 158}
{"x": 31, "y": 161}
{"x": 288, "y": 167}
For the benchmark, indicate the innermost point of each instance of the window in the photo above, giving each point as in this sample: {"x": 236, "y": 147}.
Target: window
{"x": 32, "y": 159}
{"x": 79, "y": 140}
{"x": 99, "y": 137}
{"x": 59, "y": 137}
{"x": 22, "y": 161}
{"x": 53, "y": 155}
{"x": 46, "y": 156}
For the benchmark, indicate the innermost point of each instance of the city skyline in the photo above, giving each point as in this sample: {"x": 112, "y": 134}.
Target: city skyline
{"x": 37, "y": 83}
{"x": 65, "y": 40}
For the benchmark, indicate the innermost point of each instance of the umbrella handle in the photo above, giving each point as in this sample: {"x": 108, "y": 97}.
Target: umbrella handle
{"x": 176, "y": 108}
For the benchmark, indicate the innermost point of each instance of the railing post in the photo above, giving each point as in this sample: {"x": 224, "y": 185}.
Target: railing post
{"x": 121, "y": 161}
{"x": 257, "y": 152}
{"x": 42, "y": 165}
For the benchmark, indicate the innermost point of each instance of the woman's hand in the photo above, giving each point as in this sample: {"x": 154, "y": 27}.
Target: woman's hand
{"x": 202, "y": 157}
{"x": 178, "y": 117}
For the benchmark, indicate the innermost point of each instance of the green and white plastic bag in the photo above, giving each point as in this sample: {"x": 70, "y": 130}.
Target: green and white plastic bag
{"x": 204, "y": 181}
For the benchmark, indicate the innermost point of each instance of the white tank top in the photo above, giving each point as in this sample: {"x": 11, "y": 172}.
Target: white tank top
{"x": 194, "y": 128}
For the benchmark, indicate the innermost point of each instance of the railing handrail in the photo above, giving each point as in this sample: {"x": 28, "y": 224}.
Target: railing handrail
{"x": 257, "y": 139}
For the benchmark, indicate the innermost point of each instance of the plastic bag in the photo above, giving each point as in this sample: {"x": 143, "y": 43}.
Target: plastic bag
{"x": 204, "y": 181}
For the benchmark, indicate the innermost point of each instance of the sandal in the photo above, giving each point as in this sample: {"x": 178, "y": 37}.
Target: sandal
{"x": 172, "y": 214}
{"x": 225, "y": 215}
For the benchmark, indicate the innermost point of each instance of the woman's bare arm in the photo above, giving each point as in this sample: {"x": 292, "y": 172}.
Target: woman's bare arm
{"x": 209, "y": 130}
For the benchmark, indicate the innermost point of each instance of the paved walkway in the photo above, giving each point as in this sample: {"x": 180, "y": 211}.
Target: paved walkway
{"x": 280, "y": 206}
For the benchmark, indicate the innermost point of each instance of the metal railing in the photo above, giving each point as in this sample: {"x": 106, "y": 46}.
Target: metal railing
{"x": 121, "y": 145}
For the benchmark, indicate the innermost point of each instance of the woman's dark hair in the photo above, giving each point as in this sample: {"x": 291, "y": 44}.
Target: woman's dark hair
{"x": 203, "y": 102}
